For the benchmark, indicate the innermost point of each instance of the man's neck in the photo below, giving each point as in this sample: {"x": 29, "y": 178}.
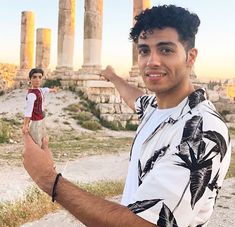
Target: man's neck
{"x": 173, "y": 98}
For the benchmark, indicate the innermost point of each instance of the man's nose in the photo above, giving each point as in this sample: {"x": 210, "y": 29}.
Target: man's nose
{"x": 153, "y": 60}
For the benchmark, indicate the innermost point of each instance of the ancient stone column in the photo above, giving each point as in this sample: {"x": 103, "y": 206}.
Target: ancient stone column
{"x": 92, "y": 34}
{"x": 135, "y": 79}
{"x": 66, "y": 28}
{"x": 27, "y": 40}
{"x": 43, "y": 47}
{"x": 138, "y": 6}
{"x": 26, "y": 48}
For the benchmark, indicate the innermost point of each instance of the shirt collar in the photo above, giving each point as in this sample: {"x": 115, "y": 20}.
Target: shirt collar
{"x": 187, "y": 104}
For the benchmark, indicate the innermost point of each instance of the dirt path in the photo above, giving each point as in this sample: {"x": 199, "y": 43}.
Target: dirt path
{"x": 88, "y": 169}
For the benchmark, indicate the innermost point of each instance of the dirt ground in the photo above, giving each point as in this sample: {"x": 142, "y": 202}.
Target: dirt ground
{"x": 108, "y": 166}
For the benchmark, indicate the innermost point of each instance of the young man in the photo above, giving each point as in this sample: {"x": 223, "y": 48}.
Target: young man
{"x": 181, "y": 151}
{"x": 34, "y": 114}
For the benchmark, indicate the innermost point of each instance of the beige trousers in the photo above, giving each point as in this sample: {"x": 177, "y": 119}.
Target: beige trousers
{"x": 37, "y": 130}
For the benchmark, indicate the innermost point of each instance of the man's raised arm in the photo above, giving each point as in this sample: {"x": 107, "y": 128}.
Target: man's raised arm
{"x": 128, "y": 92}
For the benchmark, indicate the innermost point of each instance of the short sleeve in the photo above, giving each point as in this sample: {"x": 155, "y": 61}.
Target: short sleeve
{"x": 30, "y": 98}
{"x": 142, "y": 103}
{"x": 179, "y": 183}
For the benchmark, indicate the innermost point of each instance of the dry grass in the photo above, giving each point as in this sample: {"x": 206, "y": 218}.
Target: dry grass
{"x": 69, "y": 146}
{"x": 36, "y": 204}
{"x": 231, "y": 171}
{"x": 232, "y": 131}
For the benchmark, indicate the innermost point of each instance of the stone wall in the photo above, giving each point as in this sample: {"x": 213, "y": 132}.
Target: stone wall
{"x": 109, "y": 103}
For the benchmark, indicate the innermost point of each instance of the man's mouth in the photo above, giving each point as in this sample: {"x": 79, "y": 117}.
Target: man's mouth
{"x": 155, "y": 75}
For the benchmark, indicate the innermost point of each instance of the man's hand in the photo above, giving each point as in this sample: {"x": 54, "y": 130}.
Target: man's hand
{"x": 128, "y": 92}
{"x": 108, "y": 73}
{"x": 39, "y": 163}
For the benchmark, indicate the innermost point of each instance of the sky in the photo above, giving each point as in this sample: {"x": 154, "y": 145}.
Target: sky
{"x": 215, "y": 40}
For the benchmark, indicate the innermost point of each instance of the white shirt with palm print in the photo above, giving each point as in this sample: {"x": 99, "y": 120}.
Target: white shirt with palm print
{"x": 181, "y": 163}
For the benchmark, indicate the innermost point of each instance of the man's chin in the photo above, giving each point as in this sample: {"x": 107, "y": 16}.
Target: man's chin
{"x": 157, "y": 91}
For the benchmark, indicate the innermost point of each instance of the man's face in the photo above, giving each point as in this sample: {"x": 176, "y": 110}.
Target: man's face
{"x": 36, "y": 80}
{"x": 163, "y": 62}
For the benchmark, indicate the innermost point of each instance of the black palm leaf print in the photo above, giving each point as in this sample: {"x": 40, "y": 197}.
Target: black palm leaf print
{"x": 199, "y": 180}
{"x": 166, "y": 218}
{"x": 144, "y": 102}
{"x": 151, "y": 161}
{"x": 140, "y": 206}
{"x": 139, "y": 173}
{"x": 192, "y": 153}
{"x": 200, "y": 174}
{"x": 221, "y": 146}
{"x": 196, "y": 97}
{"x": 213, "y": 183}
{"x": 192, "y": 129}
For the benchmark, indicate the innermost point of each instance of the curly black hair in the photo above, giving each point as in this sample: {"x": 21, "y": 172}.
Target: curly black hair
{"x": 185, "y": 23}
{"x": 35, "y": 70}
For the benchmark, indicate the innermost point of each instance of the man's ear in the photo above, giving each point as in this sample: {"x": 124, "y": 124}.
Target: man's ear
{"x": 192, "y": 55}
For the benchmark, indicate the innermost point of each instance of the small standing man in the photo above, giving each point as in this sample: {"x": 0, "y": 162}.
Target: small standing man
{"x": 34, "y": 117}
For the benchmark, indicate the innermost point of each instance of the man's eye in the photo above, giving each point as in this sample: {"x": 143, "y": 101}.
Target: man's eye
{"x": 166, "y": 50}
{"x": 143, "y": 51}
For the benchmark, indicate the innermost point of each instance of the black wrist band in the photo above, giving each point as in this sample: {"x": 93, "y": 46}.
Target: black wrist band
{"x": 54, "y": 194}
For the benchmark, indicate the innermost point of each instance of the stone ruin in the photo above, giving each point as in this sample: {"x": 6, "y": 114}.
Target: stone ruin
{"x": 87, "y": 79}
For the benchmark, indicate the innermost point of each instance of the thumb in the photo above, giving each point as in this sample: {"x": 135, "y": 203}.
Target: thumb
{"x": 45, "y": 147}
{"x": 45, "y": 143}
{"x": 28, "y": 141}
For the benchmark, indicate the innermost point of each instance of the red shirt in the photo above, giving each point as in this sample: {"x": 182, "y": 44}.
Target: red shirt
{"x": 37, "y": 113}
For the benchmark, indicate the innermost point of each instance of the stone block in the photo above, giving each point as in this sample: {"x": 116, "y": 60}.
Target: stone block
{"x": 89, "y": 77}
{"x": 93, "y": 90}
{"x": 94, "y": 98}
{"x": 98, "y": 83}
{"x": 117, "y": 108}
{"x": 107, "y": 91}
{"x": 134, "y": 117}
{"x": 105, "y": 108}
{"x": 107, "y": 117}
{"x": 104, "y": 98}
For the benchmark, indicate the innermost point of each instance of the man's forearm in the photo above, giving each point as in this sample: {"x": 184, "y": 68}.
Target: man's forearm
{"x": 128, "y": 92}
{"x": 94, "y": 211}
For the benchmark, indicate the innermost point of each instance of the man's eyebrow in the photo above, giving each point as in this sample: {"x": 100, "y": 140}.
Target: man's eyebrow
{"x": 158, "y": 44}
{"x": 142, "y": 45}
{"x": 166, "y": 44}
